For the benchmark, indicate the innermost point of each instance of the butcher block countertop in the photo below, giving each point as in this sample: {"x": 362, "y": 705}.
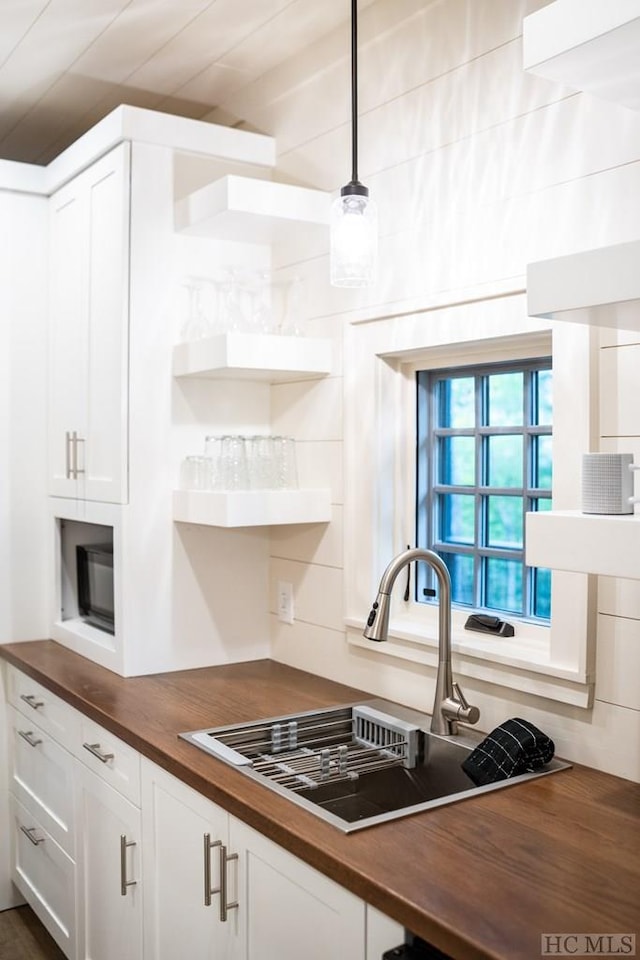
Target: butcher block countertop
{"x": 482, "y": 878}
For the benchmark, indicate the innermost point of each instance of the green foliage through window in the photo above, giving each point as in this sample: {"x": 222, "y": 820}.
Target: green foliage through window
{"x": 484, "y": 460}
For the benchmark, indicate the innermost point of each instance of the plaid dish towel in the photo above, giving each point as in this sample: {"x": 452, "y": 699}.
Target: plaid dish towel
{"x": 515, "y": 747}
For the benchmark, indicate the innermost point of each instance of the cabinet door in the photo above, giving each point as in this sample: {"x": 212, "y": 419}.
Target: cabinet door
{"x": 179, "y": 864}
{"x": 45, "y": 875}
{"x": 289, "y": 910}
{"x": 88, "y": 339}
{"x": 109, "y": 865}
{"x": 68, "y": 333}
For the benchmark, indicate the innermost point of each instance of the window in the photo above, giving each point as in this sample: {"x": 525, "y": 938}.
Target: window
{"x": 547, "y": 658}
{"x": 484, "y": 461}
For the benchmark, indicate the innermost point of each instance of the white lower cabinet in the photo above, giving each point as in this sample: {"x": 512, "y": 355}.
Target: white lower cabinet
{"x": 289, "y": 910}
{"x": 181, "y": 869}
{"x": 265, "y": 903}
{"x": 98, "y": 833}
{"x": 109, "y": 870}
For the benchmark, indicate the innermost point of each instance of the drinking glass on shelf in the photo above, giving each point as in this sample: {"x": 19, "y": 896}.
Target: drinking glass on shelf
{"x": 285, "y": 471}
{"x": 260, "y": 462}
{"x": 195, "y": 473}
{"x": 234, "y": 472}
{"x": 213, "y": 450}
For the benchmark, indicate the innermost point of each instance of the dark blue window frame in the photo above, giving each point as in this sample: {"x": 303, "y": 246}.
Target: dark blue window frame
{"x": 486, "y": 576}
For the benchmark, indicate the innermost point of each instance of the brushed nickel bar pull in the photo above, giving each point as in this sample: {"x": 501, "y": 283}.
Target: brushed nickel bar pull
{"x": 76, "y": 469}
{"x": 208, "y": 892}
{"x": 67, "y": 456}
{"x": 94, "y": 750}
{"x": 225, "y": 906}
{"x": 29, "y": 834}
{"x": 124, "y": 883}
{"x": 28, "y": 736}
{"x": 30, "y": 698}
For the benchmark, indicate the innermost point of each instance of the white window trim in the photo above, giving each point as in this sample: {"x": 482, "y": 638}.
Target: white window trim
{"x": 555, "y": 662}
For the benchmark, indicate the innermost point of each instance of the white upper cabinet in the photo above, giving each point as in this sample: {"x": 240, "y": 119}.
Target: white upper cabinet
{"x": 88, "y": 332}
{"x": 589, "y": 45}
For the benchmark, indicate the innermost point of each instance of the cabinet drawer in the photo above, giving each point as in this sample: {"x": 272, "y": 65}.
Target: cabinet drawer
{"x": 45, "y": 875}
{"x": 51, "y": 713}
{"x": 110, "y": 758}
{"x": 42, "y": 778}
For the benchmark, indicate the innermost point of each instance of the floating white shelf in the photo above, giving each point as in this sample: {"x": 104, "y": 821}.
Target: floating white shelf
{"x": 591, "y": 45}
{"x": 250, "y": 356}
{"x": 252, "y": 210}
{"x": 584, "y": 543}
{"x": 251, "y": 508}
{"x": 600, "y": 287}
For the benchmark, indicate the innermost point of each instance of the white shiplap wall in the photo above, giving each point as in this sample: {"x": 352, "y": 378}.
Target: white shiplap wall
{"x": 23, "y": 562}
{"x": 477, "y": 169}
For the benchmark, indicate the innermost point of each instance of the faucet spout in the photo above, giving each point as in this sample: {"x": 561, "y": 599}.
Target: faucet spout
{"x": 449, "y": 702}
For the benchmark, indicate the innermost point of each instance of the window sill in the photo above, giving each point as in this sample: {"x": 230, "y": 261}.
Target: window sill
{"x": 524, "y": 666}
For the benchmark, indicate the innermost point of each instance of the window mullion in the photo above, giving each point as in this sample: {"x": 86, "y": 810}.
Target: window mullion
{"x": 481, "y": 479}
{"x": 528, "y": 478}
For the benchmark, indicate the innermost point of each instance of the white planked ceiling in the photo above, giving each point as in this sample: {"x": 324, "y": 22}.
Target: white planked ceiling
{"x": 65, "y": 64}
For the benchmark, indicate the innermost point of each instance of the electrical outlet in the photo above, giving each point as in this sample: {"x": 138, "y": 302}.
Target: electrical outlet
{"x": 285, "y": 601}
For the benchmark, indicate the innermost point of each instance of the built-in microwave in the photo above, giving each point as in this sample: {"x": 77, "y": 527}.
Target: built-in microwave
{"x": 94, "y": 563}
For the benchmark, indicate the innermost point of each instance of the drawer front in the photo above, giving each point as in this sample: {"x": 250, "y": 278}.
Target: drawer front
{"x": 110, "y": 758}
{"x": 37, "y": 703}
{"x": 45, "y": 875}
{"x": 42, "y": 778}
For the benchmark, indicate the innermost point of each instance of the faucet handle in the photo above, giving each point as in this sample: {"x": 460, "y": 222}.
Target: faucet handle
{"x": 466, "y": 712}
{"x": 459, "y": 695}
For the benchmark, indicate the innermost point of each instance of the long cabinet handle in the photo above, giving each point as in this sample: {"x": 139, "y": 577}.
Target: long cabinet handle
{"x": 31, "y": 699}
{"x": 124, "y": 883}
{"x": 29, "y": 737}
{"x": 67, "y": 456}
{"x": 71, "y": 469}
{"x": 225, "y": 906}
{"x": 207, "y": 868}
{"x": 95, "y": 751}
{"x": 76, "y": 469}
{"x": 222, "y": 889}
{"x": 29, "y": 834}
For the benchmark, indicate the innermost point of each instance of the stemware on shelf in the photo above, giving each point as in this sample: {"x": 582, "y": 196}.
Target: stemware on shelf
{"x": 196, "y": 324}
{"x": 242, "y": 302}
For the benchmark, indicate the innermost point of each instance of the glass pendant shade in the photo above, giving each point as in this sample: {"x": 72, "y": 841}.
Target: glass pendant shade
{"x": 354, "y": 239}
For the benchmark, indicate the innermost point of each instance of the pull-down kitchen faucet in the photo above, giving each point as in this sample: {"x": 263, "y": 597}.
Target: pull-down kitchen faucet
{"x": 449, "y": 704}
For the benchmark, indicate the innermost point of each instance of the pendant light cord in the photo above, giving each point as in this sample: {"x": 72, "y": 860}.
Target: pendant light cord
{"x": 354, "y": 91}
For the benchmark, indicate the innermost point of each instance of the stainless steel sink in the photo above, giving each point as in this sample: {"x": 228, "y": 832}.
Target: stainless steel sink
{"x": 355, "y": 765}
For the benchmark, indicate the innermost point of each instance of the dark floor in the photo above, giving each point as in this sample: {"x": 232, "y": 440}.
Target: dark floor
{"x": 22, "y": 937}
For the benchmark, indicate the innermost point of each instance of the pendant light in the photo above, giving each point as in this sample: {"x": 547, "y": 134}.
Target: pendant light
{"x": 354, "y": 218}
